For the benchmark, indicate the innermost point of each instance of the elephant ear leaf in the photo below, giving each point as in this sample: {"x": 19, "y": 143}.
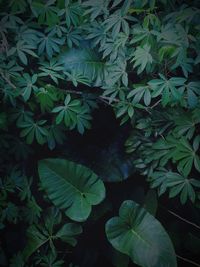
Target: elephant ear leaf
{"x": 139, "y": 235}
{"x": 71, "y": 187}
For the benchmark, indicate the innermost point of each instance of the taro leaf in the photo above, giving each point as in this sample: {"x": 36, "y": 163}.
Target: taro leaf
{"x": 139, "y": 235}
{"x": 71, "y": 187}
{"x": 84, "y": 62}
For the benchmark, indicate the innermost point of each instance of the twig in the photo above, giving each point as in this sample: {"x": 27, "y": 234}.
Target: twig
{"x": 4, "y": 43}
{"x": 157, "y": 103}
{"x": 184, "y": 220}
{"x": 7, "y": 79}
{"x": 104, "y": 98}
{"x": 187, "y": 260}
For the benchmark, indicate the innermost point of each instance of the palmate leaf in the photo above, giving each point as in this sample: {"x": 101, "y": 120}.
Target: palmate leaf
{"x": 46, "y": 96}
{"x": 142, "y": 58}
{"x": 12, "y": 69}
{"x": 117, "y": 22}
{"x": 186, "y": 155}
{"x": 56, "y": 135}
{"x": 176, "y": 183}
{"x": 52, "y": 69}
{"x": 71, "y": 187}
{"x": 49, "y": 44}
{"x": 177, "y": 149}
{"x": 97, "y": 34}
{"x": 140, "y": 92}
{"x": 22, "y": 49}
{"x": 167, "y": 88}
{"x": 71, "y": 12}
{"x": 33, "y": 130}
{"x": 192, "y": 92}
{"x": 116, "y": 73}
{"x": 85, "y": 62}
{"x": 96, "y": 8}
{"x": 51, "y": 259}
{"x": 182, "y": 61}
{"x": 45, "y": 12}
{"x": 18, "y": 6}
{"x": 142, "y": 35}
{"x": 185, "y": 124}
{"x": 73, "y": 37}
{"x": 27, "y": 85}
{"x": 136, "y": 232}
{"x": 74, "y": 114}
{"x": 41, "y": 234}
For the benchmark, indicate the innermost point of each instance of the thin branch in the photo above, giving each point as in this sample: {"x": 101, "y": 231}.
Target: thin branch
{"x": 104, "y": 98}
{"x": 71, "y": 91}
{"x": 184, "y": 220}
{"x": 7, "y": 79}
{"x": 187, "y": 260}
{"x": 4, "y": 42}
{"x": 157, "y": 103}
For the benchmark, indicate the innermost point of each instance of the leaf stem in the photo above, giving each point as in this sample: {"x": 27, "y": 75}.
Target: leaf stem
{"x": 7, "y": 79}
{"x": 187, "y": 260}
{"x": 184, "y": 220}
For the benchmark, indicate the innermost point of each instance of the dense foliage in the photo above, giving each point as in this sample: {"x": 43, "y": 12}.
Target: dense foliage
{"x": 62, "y": 62}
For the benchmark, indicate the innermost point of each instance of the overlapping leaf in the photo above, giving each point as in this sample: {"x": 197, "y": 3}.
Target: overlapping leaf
{"x": 71, "y": 187}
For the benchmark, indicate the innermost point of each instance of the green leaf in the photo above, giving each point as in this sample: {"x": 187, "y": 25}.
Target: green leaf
{"x": 33, "y": 130}
{"x": 95, "y": 7}
{"x": 49, "y": 44}
{"x": 46, "y": 13}
{"x": 40, "y": 234}
{"x": 52, "y": 69}
{"x": 193, "y": 93}
{"x": 140, "y": 92}
{"x": 142, "y": 58}
{"x": 46, "y": 97}
{"x": 176, "y": 183}
{"x": 73, "y": 114}
{"x": 71, "y": 12}
{"x": 84, "y": 62}
{"x": 139, "y": 235}
{"x": 67, "y": 233}
{"x": 118, "y": 23}
{"x": 167, "y": 89}
{"x": 27, "y": 84}
{"x": 22, "y": 48}
{"x": 71, "y": 187}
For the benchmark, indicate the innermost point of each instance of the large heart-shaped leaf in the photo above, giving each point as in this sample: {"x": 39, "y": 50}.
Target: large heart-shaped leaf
{"x": 71, "y": 187}
{"x": 84, "y": 62}
{"x": 139, "y": 235}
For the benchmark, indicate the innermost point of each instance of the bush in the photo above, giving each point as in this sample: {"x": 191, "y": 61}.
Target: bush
{"x": 62, "y": 62}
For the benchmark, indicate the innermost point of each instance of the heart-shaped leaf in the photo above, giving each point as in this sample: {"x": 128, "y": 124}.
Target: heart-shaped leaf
{"x": 139, "y": 235}
{"x": 71, "y": 187}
